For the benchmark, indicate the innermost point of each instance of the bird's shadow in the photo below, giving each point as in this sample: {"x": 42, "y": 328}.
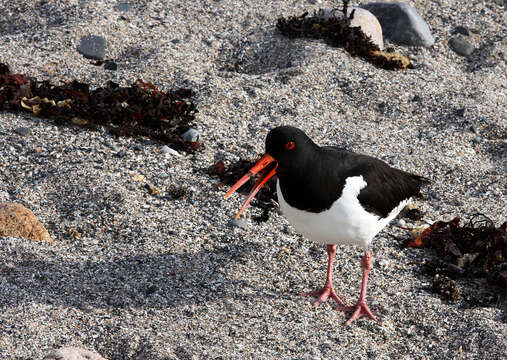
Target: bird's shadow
{"x": 141, "y": 281}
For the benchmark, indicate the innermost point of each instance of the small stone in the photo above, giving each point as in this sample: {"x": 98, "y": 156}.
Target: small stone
{"x": 461, "y": 30}
{"x": 401, "y": 24}
{"x": 461, "y": 46}
{"x": 92, "y": 47}
{"x": 121, "y": 154}
{"x": 401, "y": 222}
{"x": 384, "y": 263}
{"x": 191, "y": 135}
{"x": 461, "y": 112}
{"x": 175, "y": 41}
{"x": 478, "y": 139}
{"x": 416, "y": 98}
{"x": 110, "y": 65}
{"x": 151, "y": 289}
{"x": 242, "y": 224}
{"x": 18, "y": 221}
{"x": 363, "y": 19}
{"x": 114, "y": 147}
{"x": 167, "y": 150}
{"x": 123, "y": 6}
{"x": 23, "y": 131}
{"x": 72, "y": 353}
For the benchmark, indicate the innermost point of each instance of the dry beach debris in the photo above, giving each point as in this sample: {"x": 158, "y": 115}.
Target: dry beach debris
{"x": 337, "y": 31}
{"x": 138, "y": 110}
{"x": 475, "y": 250}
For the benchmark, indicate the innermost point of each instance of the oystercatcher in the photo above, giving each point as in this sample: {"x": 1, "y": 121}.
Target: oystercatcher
{"x": 332, "y": 196}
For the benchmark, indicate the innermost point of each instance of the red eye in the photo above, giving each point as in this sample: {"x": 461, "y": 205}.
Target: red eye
{"x": 290, "y": 145}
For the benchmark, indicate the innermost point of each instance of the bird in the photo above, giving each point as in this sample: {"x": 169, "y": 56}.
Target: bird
{"x": 332, "y": 196}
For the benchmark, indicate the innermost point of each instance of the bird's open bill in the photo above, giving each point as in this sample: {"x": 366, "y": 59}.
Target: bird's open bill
{"x": 267, "y": 172}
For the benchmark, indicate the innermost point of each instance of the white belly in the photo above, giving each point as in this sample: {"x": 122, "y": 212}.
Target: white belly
{"x": 345, "y": 222}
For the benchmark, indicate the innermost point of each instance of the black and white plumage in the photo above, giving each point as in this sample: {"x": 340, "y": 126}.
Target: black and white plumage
{"x": 333, "y": 196}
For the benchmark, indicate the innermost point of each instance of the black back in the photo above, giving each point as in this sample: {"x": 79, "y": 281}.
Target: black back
{"x": 313, "y": 177}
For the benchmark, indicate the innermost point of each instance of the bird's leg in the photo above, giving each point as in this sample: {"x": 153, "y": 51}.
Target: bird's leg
{"x": 361, "y": 309}
{"x": 328, "y": 290}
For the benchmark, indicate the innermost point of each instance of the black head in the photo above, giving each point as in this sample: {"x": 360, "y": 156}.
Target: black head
{"x": 290, "y": 147}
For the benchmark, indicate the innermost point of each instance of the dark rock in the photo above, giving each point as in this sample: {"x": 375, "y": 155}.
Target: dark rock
{"x": 461, "y": 30}
{"x": 175, "y": 41}
{"x": 151, "y": 289}
{"x": 123, "y": 7}
{"x": 416, "y": 98}
{"x": 92, "y": 47}
{"x": 461, "y": 46}
{"x": 401, "y": 24}
{"x": 461, "y": 112}
{"x": 23, "y": 131}
{"x": 110, "y": 65}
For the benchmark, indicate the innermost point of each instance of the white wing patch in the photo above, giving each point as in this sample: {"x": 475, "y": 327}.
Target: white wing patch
{"x": 345, "y": 222}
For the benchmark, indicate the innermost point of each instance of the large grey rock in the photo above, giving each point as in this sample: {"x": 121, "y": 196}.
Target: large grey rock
{"x": 92, "y": 47}
{"x": 401, "y": 23}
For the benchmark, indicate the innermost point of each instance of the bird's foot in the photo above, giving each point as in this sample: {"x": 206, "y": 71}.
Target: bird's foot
{"x": 360, "y": 309}
{"x": 323, "y": 294}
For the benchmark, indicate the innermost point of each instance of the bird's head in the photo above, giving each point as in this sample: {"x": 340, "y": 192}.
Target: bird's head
{"x": 286, "y": 149}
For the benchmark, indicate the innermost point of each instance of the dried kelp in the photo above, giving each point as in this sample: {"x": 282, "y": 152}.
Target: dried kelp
{"x": 335, "y": 29}
{"x": 138, "y": 110}
{"x": 475, "y": 250}
{"x": 265, "y": 199}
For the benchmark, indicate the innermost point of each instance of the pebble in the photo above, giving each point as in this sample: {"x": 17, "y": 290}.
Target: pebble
{"x": 461, "y": 46}
{"x": 114, "y": 147}
{"x": 242, "y": 224}
{"x": 191, "y": 135}
{"x": 384, "y": 263}
{"x": 110, "y": 65}
{"x": 461, "y": 30}
{"x": 461, "y": 112}
{"x": 167, "y": 150}
{"x": 92, "y": 47}
{"x": 123, "y": 6}
{"x": 23, "y": 131}
{"x": 401, "y": 24}
{"x": 401, "y": 222}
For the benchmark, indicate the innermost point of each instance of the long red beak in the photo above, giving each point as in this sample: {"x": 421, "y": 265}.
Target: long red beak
{"x": 266, "y": 174}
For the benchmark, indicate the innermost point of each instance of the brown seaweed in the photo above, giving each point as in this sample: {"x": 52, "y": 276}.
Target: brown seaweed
{"x": 336, "y": 31}
{"x": 137, "y": 110}
{"x": 477, "y": 249}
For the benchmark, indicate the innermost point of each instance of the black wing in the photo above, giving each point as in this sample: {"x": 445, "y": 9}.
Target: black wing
{"x": 386, "y": 187}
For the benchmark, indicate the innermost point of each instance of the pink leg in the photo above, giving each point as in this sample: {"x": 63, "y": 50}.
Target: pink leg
{"x": 328, "y": 290}
{"x": 361, "y": 309}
